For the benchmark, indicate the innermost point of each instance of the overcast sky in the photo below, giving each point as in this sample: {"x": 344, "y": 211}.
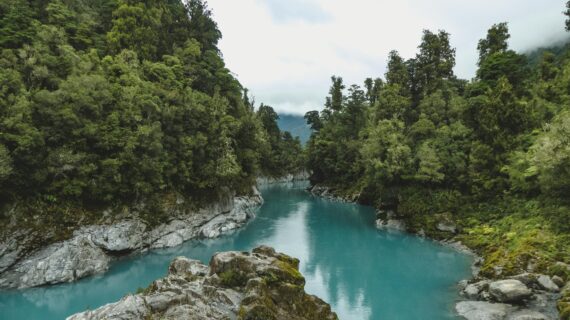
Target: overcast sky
{"x": 285, "y": 51}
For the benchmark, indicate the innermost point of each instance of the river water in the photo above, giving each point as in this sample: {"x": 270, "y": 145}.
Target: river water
{"x": 362, "y": 272}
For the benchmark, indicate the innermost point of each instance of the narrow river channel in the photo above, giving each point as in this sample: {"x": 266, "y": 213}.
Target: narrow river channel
{"x": 362, "y": 272}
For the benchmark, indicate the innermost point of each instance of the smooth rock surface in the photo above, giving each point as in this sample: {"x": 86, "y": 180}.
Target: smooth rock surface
{"x": 299, "y": 176}
{"x": 262, "y": 284}
{"x": 60, "y": 262}
{"x": 546, "y": 283}
{"x": 527, "y": 315}
{"x": 391, "y": 224}
{"x": 510, "y": 290}
{"x": 473, "y": 291}
{"x": 91, "y": 248}
{"x": 480, "y": 310}
{"x": 446, "y": 226}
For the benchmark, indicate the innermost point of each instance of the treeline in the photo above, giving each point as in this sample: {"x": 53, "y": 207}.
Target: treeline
{"x": 421, "y": 141}
{"x": 114, "y": 101}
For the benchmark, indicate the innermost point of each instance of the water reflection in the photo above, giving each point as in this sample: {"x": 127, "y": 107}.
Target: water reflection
{"x": 362, "y": 272}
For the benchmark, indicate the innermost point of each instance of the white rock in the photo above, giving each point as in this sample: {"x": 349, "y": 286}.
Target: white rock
{"x": 391, "y": 224}
{"x": 60, "y": 262}
{"x": 527, "y": 315}
{"x": 509, "y": 290}
{"x": 473, "y": 290}
{"x": 183, "y": 266}
{"x": 480, "y": 310}
{"x": 129, "y": 308}
{"x": 547, "y": 284}
{"x": 86, "y": 252}
{"x": 446, "y": 226}
{"x": 122, "y": 236}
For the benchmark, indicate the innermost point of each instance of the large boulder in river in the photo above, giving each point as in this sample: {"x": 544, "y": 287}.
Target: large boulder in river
{"x": 480, "y": 310}
{"x": 474, "y": 290}
{"x": 527, "y": 315}
{"x": 546, "y": 283}
{"x": 262, "y": 284}
{"x": 510, "y": 290}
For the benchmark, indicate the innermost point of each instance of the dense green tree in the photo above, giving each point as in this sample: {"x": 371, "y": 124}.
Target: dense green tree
{"x": 435, "y": 61}
{"x": 430, "y": 166}
{"x": 17, "y": 23}
{"x": 495, "y": 42}
{"x": 387, "y": 156}
{"x": 391, "y": 103}
{"x": 282, "y": 154}
{"x": 136, "y": 27}
{"x": 397, "y": 71}
{"x": 202, "y": 27}
{"x": 314, "y": 120}
{"x": 336, "y": 97}
{"x": 496, "y": 60}
{"x": 110, "y": 102}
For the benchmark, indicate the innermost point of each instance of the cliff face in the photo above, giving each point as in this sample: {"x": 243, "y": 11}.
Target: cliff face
{"x": 291, "y": 177}
{"x": 91, "y": 248}
{"x": 262, "y": 284}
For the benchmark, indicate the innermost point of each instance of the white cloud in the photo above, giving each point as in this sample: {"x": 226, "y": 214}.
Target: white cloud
{"x": 285, "y": 51}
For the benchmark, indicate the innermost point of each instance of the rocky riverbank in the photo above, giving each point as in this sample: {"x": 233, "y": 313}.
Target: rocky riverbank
{"x": 262, "y": 284}
{"x": 296, "y": 177}
{"x": 527, "y": 296}
{"x": 330, "y": 194}
{"x": 91, "y": 249}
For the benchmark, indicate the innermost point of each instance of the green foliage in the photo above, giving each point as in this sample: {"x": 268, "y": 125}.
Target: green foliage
{"x": 282, "y": 153}
{"x": 17, "y": 24}
{"x": 233, "y": 278}
{"x": 111, "y": 102}
{"x": 490, "y": 154}
{"x": 495, "y": 42}
{"x": 549, "y": 157}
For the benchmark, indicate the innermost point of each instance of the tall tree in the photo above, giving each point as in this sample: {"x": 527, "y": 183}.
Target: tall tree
{"x": 435, "y": 61}
{"x": 495, "y": 42}
{"x": 336, "y": 97}
{"x": 396, "y": 71}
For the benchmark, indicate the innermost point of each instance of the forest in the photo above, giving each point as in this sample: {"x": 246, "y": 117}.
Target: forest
{"x": 491, "y": 154}
{"x": 112, "y": 102}
{"x": 110, "y": 105}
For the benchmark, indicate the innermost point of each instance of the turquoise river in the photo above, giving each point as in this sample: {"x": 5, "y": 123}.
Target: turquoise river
{"x": 362, "y": 272}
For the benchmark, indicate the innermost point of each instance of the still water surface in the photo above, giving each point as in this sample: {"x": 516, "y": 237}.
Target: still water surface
{"x": 364, "y": 273}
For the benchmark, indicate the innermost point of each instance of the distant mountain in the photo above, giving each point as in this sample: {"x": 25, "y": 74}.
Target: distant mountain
{"x": 560, "y": 51}
{"x": 296, "y": 125}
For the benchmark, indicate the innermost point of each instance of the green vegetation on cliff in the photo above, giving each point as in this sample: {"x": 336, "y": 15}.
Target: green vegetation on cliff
{"x": 112, "y": 102}
{"x": 490, "y": 154}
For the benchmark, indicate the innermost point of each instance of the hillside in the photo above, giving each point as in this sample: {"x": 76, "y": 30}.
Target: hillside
{"x": 297, "y": 125}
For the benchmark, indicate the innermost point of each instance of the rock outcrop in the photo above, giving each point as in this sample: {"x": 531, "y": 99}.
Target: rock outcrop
{"x": 510, "y": 290}
{"x": 521, "y": 297}
{"x": 91, "y": 249}
{"x": 330, "y": 194}
{"x": 262, "y": 284}
{"x": 391, "y": 225}
{"x": 481, "y": 310}
{"x": 296, "y": 177}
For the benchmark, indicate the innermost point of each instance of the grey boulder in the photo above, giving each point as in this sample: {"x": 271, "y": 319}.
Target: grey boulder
{"x": 480, "y": 310}
{"x": 510, "y": 290}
